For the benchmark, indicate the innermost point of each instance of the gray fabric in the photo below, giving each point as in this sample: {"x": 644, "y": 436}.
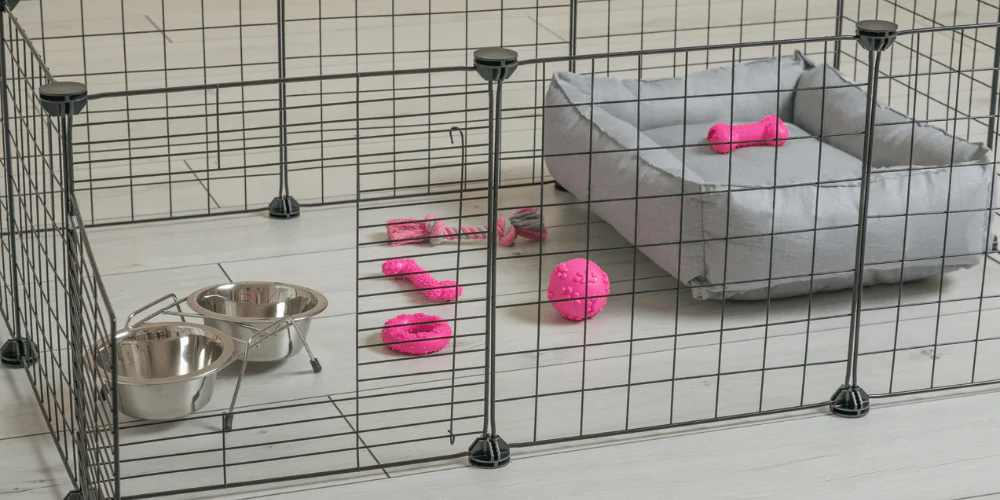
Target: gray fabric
{"x": 825, "y": 95}
{"x": 707, "y": 99}
{"x": 798, "y": 159}
{"x": 738, "y": 228}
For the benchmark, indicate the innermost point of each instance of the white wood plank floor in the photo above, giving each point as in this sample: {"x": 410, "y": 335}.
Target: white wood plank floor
{"x": 805, "y": 456}
{"x": 555, "y": 379}
{"x": 145, "y": 260}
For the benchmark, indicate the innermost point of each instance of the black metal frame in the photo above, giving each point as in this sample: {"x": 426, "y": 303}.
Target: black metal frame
{"x": 48, "y": 254}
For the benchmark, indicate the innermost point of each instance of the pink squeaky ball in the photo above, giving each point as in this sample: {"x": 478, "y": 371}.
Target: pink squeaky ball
{"x": 569, "y": 280}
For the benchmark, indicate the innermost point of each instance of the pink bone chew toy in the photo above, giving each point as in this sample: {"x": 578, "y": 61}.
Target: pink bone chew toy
{"x": 408, "y": 269}
{"x": 526, "y": 223}
{"x": 405, "y": 332}
{"x": 770, "y": 131}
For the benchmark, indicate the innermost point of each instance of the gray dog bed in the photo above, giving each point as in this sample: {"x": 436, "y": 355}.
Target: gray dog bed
{"x": 749, "y": 219}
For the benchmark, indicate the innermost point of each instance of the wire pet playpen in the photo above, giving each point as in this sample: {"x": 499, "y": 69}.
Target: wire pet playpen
{"x": 150, "y": 112}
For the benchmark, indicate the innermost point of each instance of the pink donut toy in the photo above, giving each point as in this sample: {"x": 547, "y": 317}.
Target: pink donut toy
{"x": 408, "y": 269}
{"x": 575, "y": 279}
{"x": 770, "y": 131}
{"x": 404, "y": 333}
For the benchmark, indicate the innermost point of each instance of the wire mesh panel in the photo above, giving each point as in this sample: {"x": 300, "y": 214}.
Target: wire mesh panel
{"x": 54, "y": 296}
{"x": 234, "y": 152}
{"x": 133, "y": 173}
{"x": 34, "y": 238}
{"x": 432, "y": 174}
{"x": 658, "y": 354}
{"x": 939, "y": 52}
{"x": 97, "y": 387}
{"x": 397, "y": 149}
{"x": 607, "y": 26}
{"x": 292, "y": 440}
{"x": 15, "y": 49}
{"x": 181, "y": 154}
{"x": 934, "y": 334}
{"x": 731, "y": 274}
{"x": 235, "y": 39}
{"x": 156, "y": 44}
{"x": 910, "y": 15}
{"x": 719, "y": 314}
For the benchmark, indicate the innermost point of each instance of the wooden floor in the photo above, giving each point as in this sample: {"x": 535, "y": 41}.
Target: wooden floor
{"x": 650, "y": 358}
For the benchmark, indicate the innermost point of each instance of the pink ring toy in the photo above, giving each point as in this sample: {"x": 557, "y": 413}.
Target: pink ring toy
{"x": 404, "y": 333}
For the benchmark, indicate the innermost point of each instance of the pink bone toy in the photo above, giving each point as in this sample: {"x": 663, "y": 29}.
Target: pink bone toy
{"x": 408, "y": 269}
{"x": 770, "y": 131}
{"x": 526, "y": 223}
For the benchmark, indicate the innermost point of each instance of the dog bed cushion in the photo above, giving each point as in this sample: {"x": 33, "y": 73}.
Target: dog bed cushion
{"x": 756, "y": 223}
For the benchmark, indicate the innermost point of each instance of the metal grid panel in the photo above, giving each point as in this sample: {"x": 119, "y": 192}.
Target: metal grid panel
{"x": 437, "y": 169}
{"x": 942, "y": 79}
{"x": 948, "y": 88}
{"x": 54, "y": 297}
{"x": 628, "y": 361}
{"x": 137, "y": 46}
{"x": 139, "y": 149}
{"x": 97, "y": 387}
{"x": 35, "y": 294}
{"x": 421, "y": 142}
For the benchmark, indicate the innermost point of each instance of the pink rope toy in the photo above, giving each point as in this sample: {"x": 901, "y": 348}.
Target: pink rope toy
{"x": 405, "y": 334}
{"x": 770, "y": 131}
{"x": 408, "y": 269}
{"x": 526, "y": 223}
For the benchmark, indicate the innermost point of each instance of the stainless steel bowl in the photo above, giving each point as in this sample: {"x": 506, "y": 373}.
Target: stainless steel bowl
{"x": 165, "y": 370}
{"x": 257, "y": 305}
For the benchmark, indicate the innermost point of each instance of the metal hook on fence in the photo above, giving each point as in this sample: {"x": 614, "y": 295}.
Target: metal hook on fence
{"x": 454, "y": 351}
{"x": 465, "y": 167}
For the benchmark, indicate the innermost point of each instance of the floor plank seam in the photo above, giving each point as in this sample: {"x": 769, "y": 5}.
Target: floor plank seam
{"x": 158, "y": 28}
{"x": 202, "y": 184}
{"x": 360, "y": 439}
{"x": 975, "y": 497}
{"x": 546, "y": 28}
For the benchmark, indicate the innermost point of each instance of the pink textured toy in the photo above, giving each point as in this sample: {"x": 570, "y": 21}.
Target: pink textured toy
{"x": 574, "y": 279}
{"x": 526, "y": 223}
{"x": 408, "y": 269}
{"x": 770, "y": 131}
{"x": 404, "y": 333}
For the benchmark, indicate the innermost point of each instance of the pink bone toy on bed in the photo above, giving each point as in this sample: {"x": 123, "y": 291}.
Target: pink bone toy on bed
{"x": 770, "y": 131}
{"x": 408, "y": 269}
{"x": 526, "y": 223}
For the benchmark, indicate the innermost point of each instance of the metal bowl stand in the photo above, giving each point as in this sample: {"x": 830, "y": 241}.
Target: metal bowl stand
{"x": 264, "y": 333}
